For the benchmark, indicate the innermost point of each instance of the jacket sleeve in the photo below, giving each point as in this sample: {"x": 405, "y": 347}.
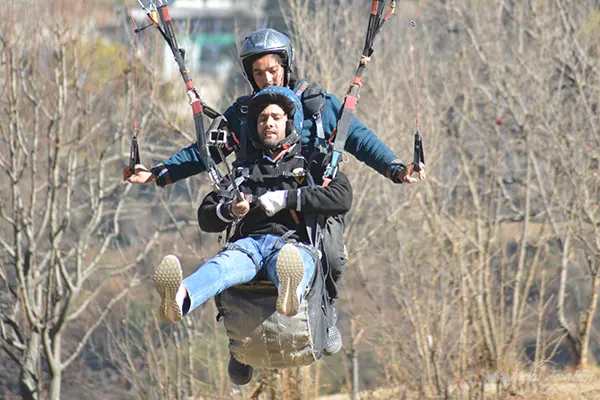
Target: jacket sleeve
{"x": 335, "y": 198}
{"x": 361, "y": 142}
{"x": 186, "y": 162}
{"x": 214, "y": 215}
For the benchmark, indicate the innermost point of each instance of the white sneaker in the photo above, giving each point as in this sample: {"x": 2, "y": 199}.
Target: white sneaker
{"x": 290, "y": 271}
{"x": 167, "y": 280}
{"x": 334, "y": 341}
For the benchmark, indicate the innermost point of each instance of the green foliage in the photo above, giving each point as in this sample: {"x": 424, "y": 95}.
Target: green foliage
{"x": 105, "y": 61}
{"x": 591, "y": 26}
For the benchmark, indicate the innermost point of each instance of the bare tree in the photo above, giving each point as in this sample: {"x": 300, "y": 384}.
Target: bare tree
{"x": 62, "y": 208}
{"x": 550, "y": 113}
{"x": 453, "y": 279}
{"x": 508, "y": 97}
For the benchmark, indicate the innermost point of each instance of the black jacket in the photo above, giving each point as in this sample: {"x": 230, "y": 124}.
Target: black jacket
{"x": 264, "y": 175}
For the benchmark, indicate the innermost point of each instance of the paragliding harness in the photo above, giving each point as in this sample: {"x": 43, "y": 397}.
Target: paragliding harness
{"x": 258, "y": 334}
{"x": 313, "y": 99}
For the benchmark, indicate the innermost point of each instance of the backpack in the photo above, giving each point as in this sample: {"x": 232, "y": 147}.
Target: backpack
{"x": 261, "y": 337}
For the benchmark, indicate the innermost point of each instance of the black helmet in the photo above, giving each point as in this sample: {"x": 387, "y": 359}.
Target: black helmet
{"x": 263, "y": 42}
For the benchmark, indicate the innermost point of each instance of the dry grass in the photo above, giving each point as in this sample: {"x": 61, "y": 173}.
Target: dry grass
{"x": 553, "y": 385}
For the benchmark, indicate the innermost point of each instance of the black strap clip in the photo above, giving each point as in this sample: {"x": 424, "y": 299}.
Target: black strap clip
{"x": 134, "y": 154}
{"x": 419, "y": 156}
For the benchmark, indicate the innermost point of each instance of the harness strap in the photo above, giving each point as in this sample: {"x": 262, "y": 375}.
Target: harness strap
{"x": 313, "y": 229}
{"x": 285, "y": 238}
{"x": 314, "y": 224}
{"x": 279, "y": 244}
{"x": 233, "y": 246}
{"x": 319, "y": 123}
{"x": 244, "y": 139}
{"x": 313, "y": 251}
{"x": 299, "y": 174}
{"x": 320, "y": 141}
{"x": 244, "y": 174}
{"x": 241, "y": 105}
{"x": 295, "y": 217}
{"x": 289, "y": 140}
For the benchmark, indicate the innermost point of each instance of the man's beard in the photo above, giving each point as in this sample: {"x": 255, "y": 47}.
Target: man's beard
{"x": 269, "y": 146}
{"x": 270, "y": 143}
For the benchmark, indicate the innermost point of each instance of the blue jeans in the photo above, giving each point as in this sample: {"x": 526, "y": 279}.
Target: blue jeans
{"x": 234, "y": 267}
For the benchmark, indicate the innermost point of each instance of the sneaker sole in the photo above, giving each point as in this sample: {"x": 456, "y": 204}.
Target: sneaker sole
{"x": 167, "y": 280}
{"x": 334, "y": 342}
{"x": 290, "y": 271}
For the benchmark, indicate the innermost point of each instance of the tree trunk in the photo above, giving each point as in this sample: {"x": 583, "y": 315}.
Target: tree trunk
{"x": 571, "y": 336}
{"x": 587, "y": 322}
{"x": 29, "y": 377}
{"x": 355, "y": 374}
{"x": 55, "y": 384}
{"x": 55, "y": 367}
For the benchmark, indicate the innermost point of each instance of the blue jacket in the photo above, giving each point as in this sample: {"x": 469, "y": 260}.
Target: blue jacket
{"x": 361, "y": 142}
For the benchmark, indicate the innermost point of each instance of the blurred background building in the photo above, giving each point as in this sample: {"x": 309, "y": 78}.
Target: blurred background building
{"x": 207, "y": 29}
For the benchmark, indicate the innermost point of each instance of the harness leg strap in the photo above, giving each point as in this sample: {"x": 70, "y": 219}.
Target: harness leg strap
{"x": 233, "y": 246}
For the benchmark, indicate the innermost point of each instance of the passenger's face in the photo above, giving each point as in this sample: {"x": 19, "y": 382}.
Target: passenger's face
{"x": 271, "y": 125}
{"x": 267, "y": 71}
